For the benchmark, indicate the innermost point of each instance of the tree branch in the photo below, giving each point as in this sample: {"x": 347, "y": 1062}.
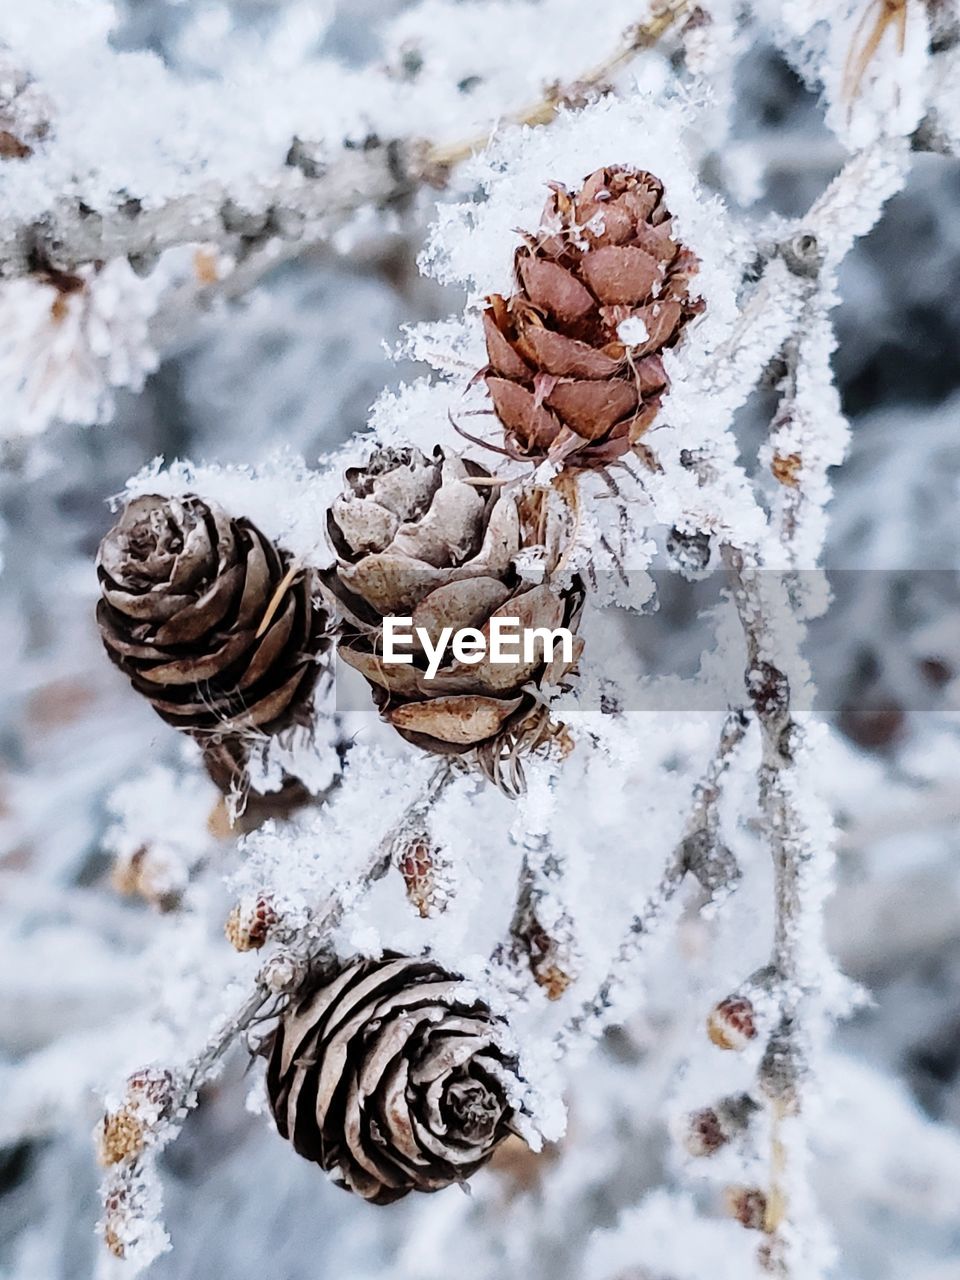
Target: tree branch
{"x": 593, "y": 82}
{"x": 290, "y": 206}
{"x": 304, "y": 202}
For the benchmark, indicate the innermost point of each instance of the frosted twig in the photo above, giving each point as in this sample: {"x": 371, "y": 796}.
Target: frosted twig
{"x": 785, "y": 1070}
{"x": 541, "y": 931}
{"x": 797, "y": 287}
{"x": 314, "y": 939}
{"x": 700, "y": 853}
{"x": 287, "y": 207}
{"x": 808, "y": 436}
{"x": 766, "y": 321}
{"x": 769, "y": 692}
{"x": 710, "y": 861}
{"x": 594, "y": 1014}
{"x": 793, "y": 264}
{"x": 302, "y": 203}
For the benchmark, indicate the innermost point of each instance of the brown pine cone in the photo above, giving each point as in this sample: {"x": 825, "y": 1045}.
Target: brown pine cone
{"x": 415, "y": 537}
{"x": 202, "y": 612}
{"x": 575, "y": 372}
{"x": 390, "y": 1079}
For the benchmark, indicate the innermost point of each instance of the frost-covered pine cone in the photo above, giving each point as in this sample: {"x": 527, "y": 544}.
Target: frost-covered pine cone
{"x": 575, "y": 372}
{"x": 200, "y": 611}
{"x": 389, "y": 1078}
{"x": 415, "y": 537}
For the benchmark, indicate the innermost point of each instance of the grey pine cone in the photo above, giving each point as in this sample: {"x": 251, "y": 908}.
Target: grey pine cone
{"x": 433, "y": 539}
{"x": 390, "y": 1079}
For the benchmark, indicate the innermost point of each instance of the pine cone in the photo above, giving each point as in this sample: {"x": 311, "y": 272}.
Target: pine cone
{"x": 391, "y": 1080}
{"x": 201, "y": 612}
{"x": 415, "y": 538}
{"x": 575, "y": 372}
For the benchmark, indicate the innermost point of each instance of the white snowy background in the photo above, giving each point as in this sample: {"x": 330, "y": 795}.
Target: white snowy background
{"x": 297, "y": 337}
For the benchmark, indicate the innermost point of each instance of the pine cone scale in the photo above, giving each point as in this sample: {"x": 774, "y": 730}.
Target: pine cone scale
{"x": 465, "y": 602}
{"x": 153, "y": 607}
{"x": 274, "y": 705}
{"x": 403, "y": 680}
{"x": 621, "y": 275}
{"x": 304, "y": 1025}
{"x": 263, "y": 569}
{"x": 555, "y": 290}
{"x": 392, "y": 584}
{"x": 190, "y": 670}
{"x": 519, "y": 410}
{"x": 564, "y": 357}
{"x": 504, "y": 358}
{"x": 385, "y": 1177}
{"x": 660, "y": 320}
{"x": 592, "y": 409}
{"x": 275, "y": 641}
{"x": 193, "y": 619}
{"x": 253, "y": 715}
{"x": 459, "y": 720}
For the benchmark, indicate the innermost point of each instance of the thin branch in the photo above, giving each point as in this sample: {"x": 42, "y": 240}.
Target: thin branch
{"x": 781, "y": 737}
{"x": 635, "y": 39}
{"x": 784, "y": 1070}
{"x": 542, "y": 935}
{"x": 287, "y": 207}
{"x": 129, "y": 1213}
{"x": 805, "y": 263}
{"x": 706, "y": 856}
{"x": 594, "y": 1014}
{"x": 700, "y": 853}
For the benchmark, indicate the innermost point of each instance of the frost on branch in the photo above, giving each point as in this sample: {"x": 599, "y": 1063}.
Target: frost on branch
{"x": 876, "y": 62}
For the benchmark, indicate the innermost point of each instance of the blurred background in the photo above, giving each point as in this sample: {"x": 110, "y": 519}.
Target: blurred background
{"x": 299, "y": 362}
